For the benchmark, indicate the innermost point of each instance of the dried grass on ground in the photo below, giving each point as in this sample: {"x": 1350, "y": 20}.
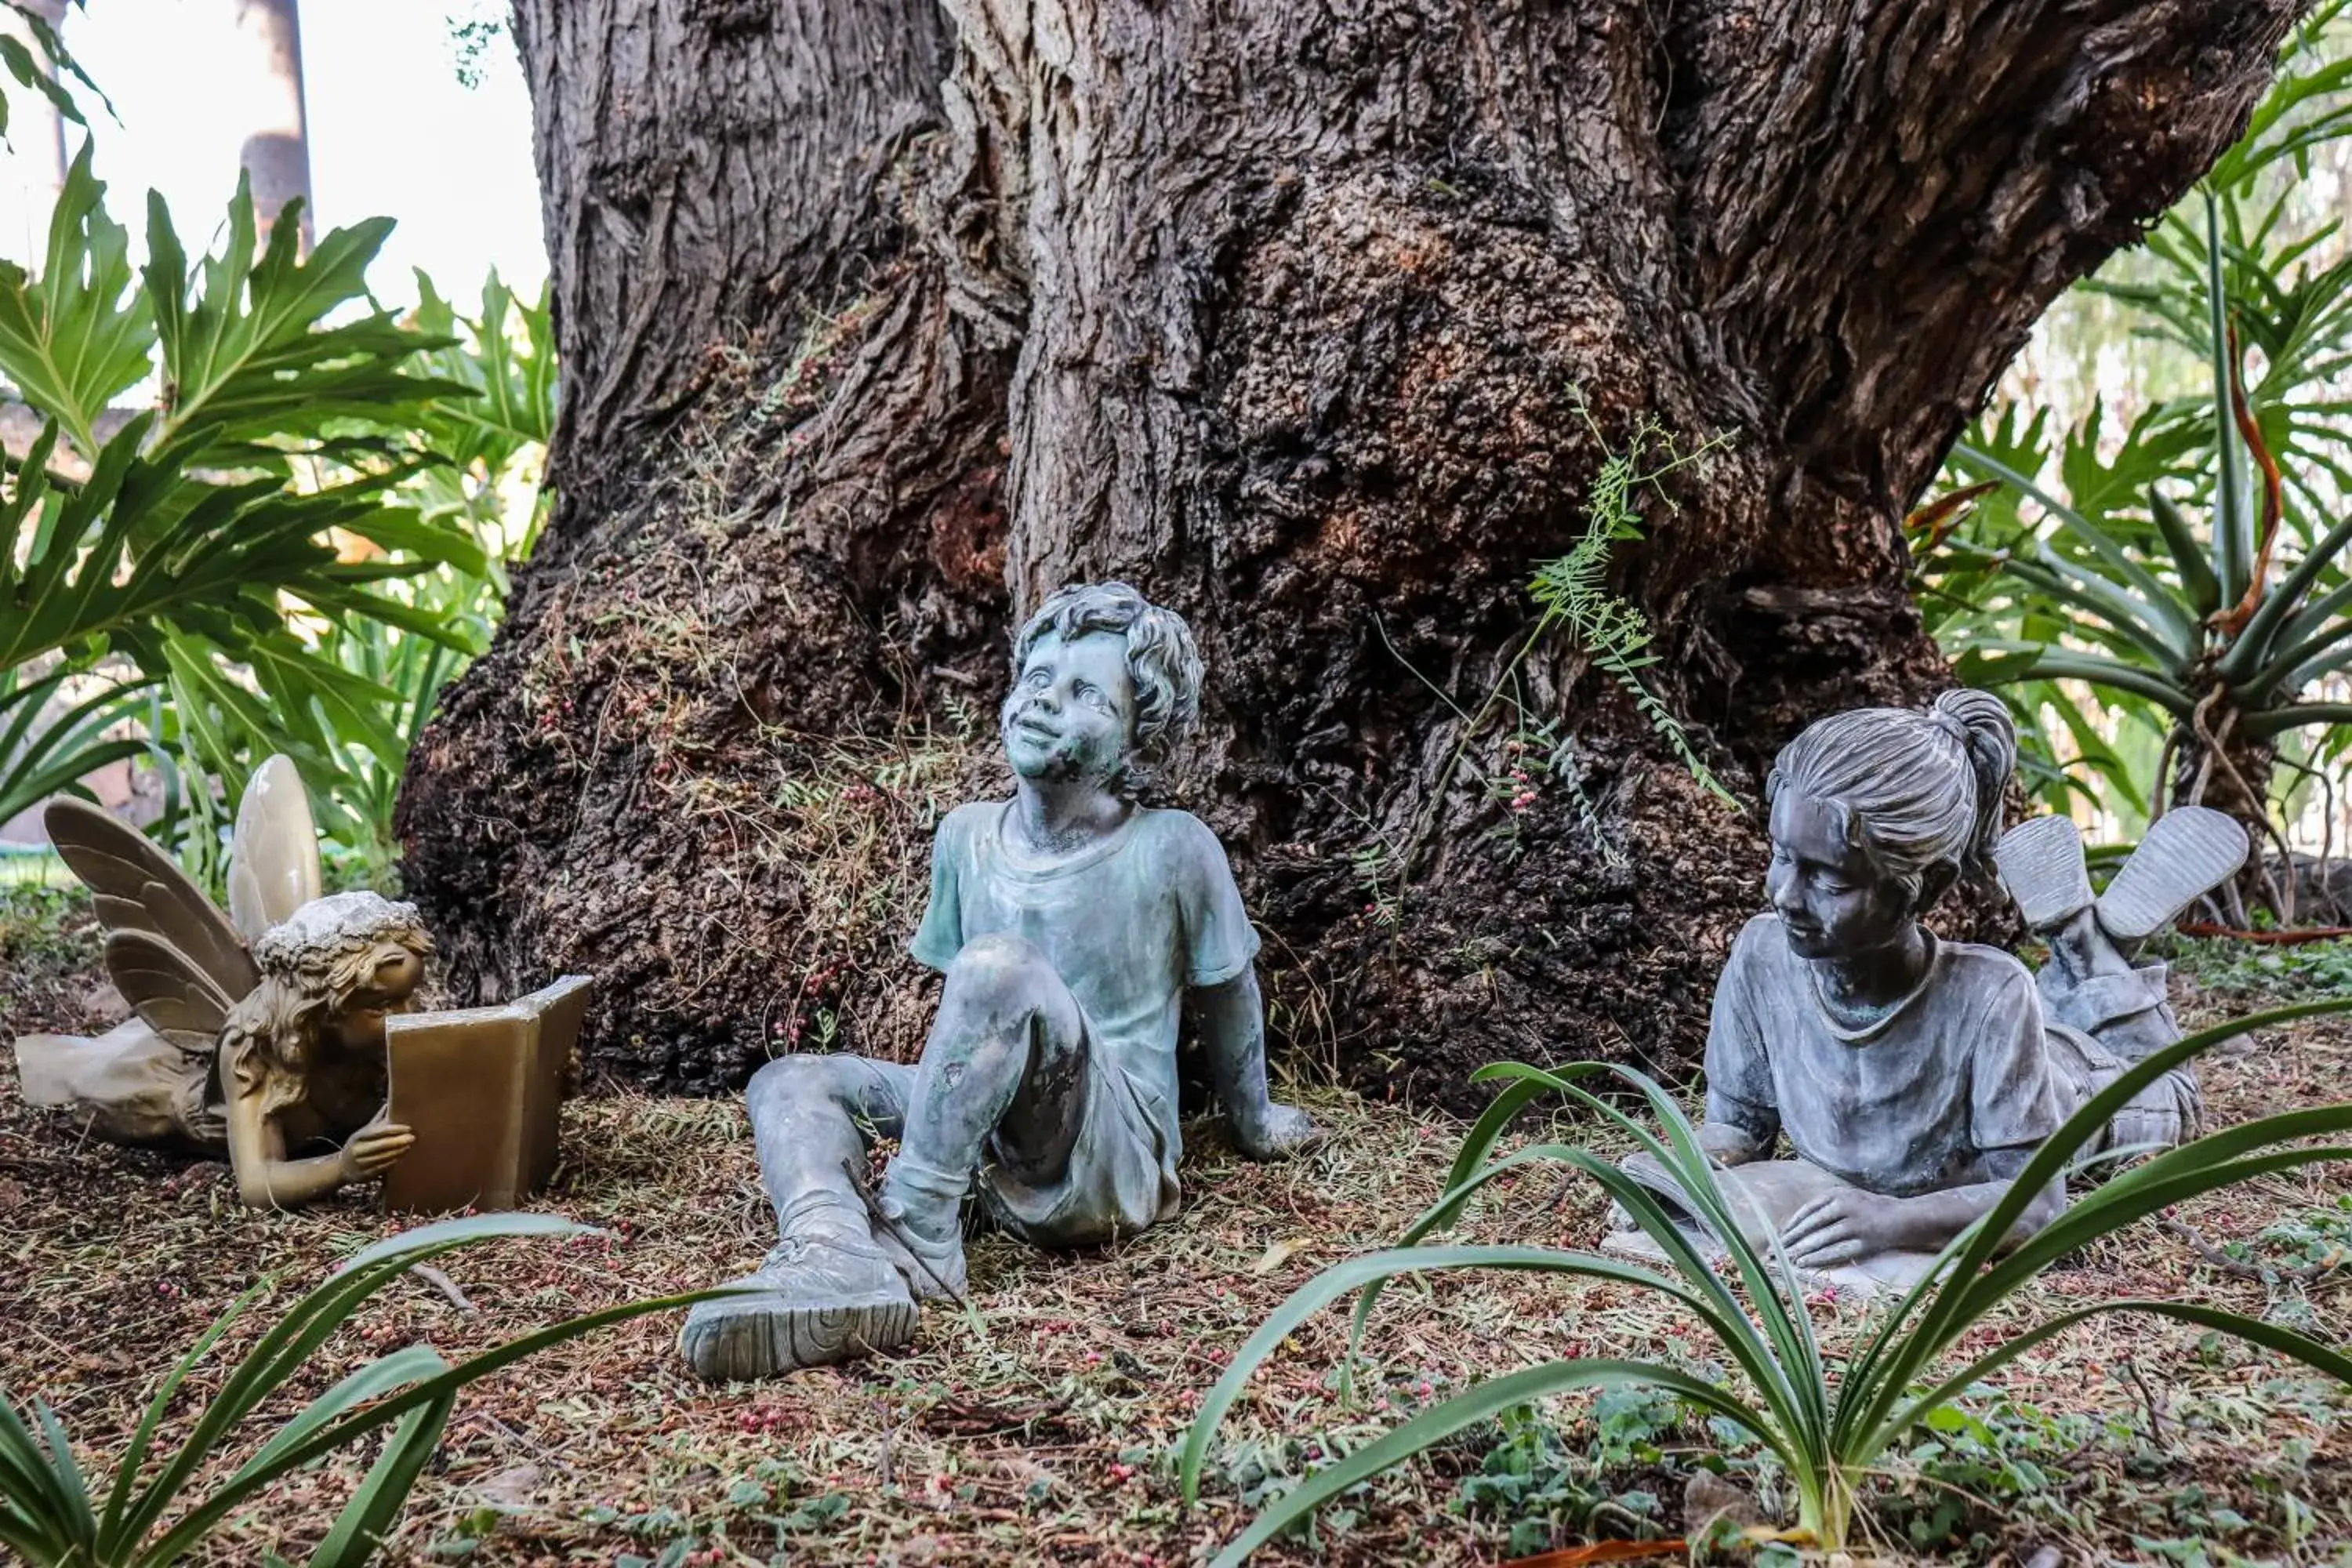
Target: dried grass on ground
{"x": 1039, "y": 1427}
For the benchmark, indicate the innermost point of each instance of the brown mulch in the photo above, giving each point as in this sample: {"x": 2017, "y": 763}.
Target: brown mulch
{"x": 1039, "y": 1426}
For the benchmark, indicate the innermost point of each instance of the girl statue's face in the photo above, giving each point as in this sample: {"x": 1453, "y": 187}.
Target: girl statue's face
{"x": 1831, "y": 901}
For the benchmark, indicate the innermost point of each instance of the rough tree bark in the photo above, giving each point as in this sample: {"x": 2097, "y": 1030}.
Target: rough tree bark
{"x": 1314, "y": 318}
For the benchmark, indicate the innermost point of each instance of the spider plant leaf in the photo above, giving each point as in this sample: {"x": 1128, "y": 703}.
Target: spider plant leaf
{"x": 2323, "y": 1358}
{"x": 1692, "y": 1170}
{"x": 134, "y": 1457}
{"x": 36, "y": 1491}
{"x": 360, "y": 1529}
{"x": 399, "y": 1369}
{"x": 1896, "y": 1355}
{"x": 1353, "y": 1274}
{"x": 191, "y": 1528}
{"x": 1482, "y": 1402}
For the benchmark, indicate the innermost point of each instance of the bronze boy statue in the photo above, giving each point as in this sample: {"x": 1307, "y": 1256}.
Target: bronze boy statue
{"x": 1078, "y": 930}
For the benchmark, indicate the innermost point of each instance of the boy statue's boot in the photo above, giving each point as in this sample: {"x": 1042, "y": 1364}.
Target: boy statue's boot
{"x": 921, "y": 1227}
{"x": 827, "y": 1293}
{"x": 2187, "y": 853}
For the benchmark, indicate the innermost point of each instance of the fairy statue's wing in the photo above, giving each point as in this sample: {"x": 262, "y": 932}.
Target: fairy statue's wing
{"x": 166, "y": 988}
{"x": 139, "y": 891}
{"x": 273, "y": 859}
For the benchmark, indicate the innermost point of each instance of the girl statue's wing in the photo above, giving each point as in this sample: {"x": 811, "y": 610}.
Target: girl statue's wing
{"x": 138, "y": 890}
{"x": 273, "y": 857}
{"x": 171, "y": 993}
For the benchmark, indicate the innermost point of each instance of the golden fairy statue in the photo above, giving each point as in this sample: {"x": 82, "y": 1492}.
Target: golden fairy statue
{"x": 257, "y": 1034}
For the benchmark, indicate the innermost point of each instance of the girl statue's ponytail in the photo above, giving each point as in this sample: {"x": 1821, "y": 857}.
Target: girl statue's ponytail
{"x": 1980, "y": 722}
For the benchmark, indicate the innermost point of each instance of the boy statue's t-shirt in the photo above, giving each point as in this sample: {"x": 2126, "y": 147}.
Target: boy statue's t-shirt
{"x": 1130, "y": 923}
{"x": 1914, "y": 1103}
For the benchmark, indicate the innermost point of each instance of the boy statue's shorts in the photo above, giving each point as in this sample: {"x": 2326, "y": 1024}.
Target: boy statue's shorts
{"x": 1122, "y": 1172}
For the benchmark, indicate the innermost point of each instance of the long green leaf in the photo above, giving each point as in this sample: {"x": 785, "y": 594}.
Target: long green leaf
{"x": 191, "y": 1528}
{"x": 1787, "y": 1372}
{"x": 2254, "y": 648}
{"x": 2270, "y": 1336}
{"x": 1897, "y": 1352}
{"x": 1483, "y": 1402}
{"x": 134, "y": 1458}
{"x": 360, "y": 1529}
{"x": 401, "y": 1368}
{"x": 1784, "y": 1386}
{"x": 2146, "y": 597}
{"x": 2197, "y": 579}
{"x": 38, "y": 1486}
{"x": 307, "y": 1325}
{"x": 2232, "y": 523}
{"x": 72, "y": 1485}
{"x": 1341, "y": 1279}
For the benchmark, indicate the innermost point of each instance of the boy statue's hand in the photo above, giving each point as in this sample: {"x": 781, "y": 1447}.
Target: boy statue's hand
{"x": 1276, "y": 1132}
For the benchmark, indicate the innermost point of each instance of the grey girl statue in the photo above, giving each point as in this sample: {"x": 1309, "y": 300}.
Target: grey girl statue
{"x": 1078, "y": 931}
{"x": 1913, "y": 1077}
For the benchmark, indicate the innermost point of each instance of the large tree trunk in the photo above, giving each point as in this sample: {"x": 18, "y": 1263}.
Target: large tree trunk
{"x": 880, "y": 318}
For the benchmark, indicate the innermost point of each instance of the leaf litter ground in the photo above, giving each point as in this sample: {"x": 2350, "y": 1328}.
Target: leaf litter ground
{"x": 1039, "y": 1426}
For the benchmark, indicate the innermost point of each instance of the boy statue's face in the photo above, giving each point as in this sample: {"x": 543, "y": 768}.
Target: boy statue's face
{"x": 1072, "y": 712}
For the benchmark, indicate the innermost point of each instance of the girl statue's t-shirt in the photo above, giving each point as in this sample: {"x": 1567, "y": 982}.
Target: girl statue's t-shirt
{"x": 1130, "y": 923}
{"x": 1914, "y": 1101}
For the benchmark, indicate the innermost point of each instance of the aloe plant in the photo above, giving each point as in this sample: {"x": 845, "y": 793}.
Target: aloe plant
{"x": 1828, "y": 1435}
{"x": 2210, "y": 627}
{"x": 150, "y": 1512}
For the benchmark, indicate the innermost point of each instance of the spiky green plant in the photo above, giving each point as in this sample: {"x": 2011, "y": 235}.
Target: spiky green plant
{"x": 2116, "y": 593}
{"x": 1828, "y": 1435}
{"x": 152, "y": 1512}
{"x": 2210, "y": 627}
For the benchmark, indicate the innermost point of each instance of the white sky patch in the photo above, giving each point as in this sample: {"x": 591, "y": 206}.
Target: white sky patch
{"x": 392, "y": 131}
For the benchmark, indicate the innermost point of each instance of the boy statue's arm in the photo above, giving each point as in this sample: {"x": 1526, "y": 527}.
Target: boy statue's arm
{"x": 1229, "y": 1020}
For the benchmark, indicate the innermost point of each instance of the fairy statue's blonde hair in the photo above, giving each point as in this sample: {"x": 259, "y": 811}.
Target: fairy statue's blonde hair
{"x": 312, "y": 966}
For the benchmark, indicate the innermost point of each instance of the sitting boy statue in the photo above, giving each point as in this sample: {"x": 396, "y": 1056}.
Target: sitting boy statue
{"x": 1078, "y": 931}
{"x": 1915, "y": 1078}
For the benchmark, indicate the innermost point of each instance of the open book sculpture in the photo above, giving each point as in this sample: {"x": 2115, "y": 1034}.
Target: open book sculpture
{"x": 481, "y": 1091}
{"x": 259, "y": 1034}
{"x": 1912, "y": 1077}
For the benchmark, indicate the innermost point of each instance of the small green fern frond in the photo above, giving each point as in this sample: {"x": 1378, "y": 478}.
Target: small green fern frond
{"x": 1573, "y": 590}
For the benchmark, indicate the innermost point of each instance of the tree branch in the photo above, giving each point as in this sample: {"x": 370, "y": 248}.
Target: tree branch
{"x": 1882, "y": 198}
